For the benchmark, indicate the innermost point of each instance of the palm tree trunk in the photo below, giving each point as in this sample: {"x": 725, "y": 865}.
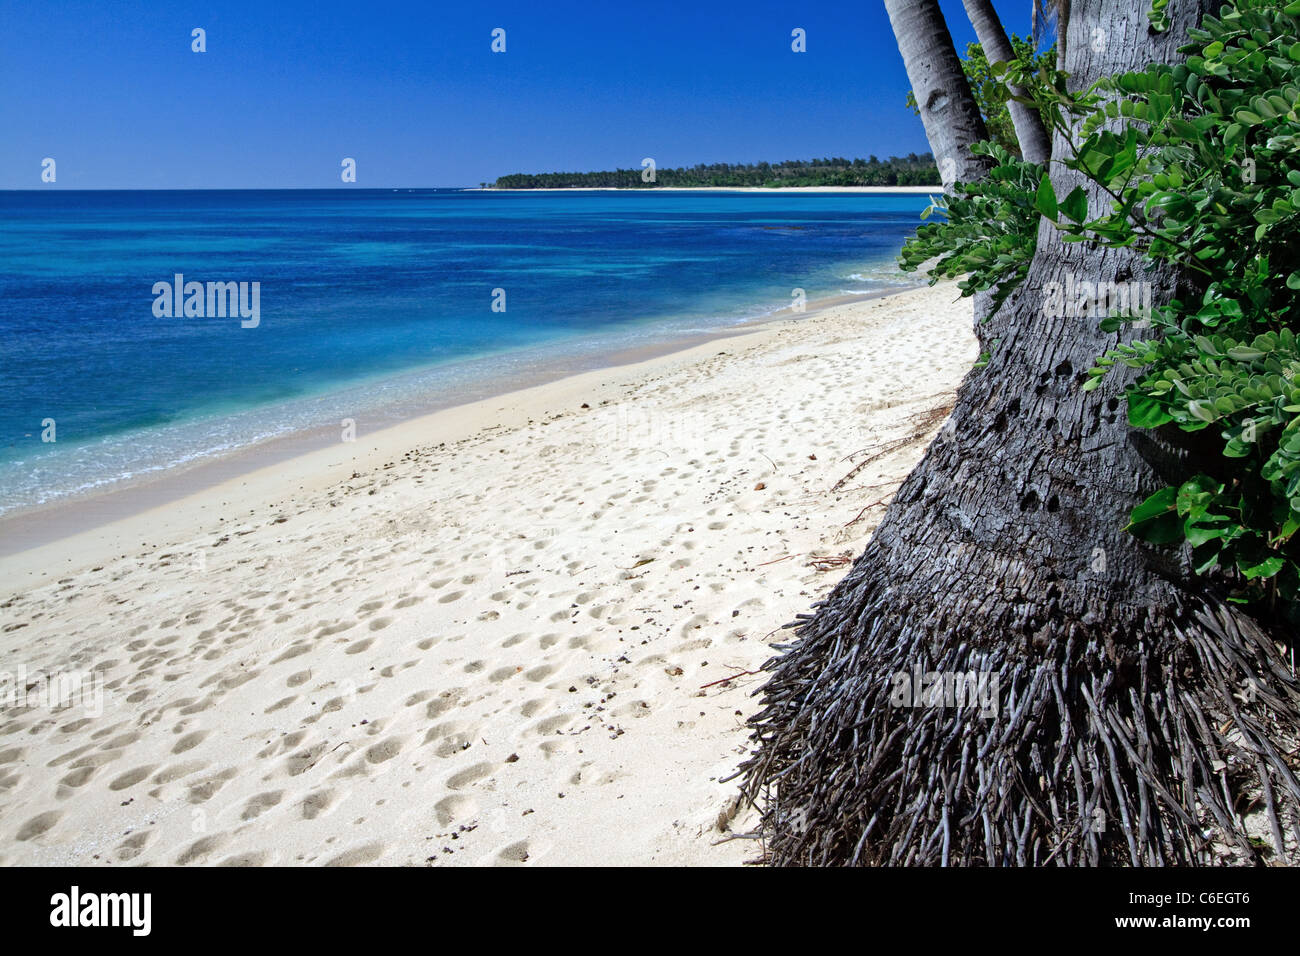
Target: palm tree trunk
{"x": 948, "y": 111}
{"x": 1121, "y": 728}
{"x": 1046, "y": 12}
{"x": 1035, "y": 146}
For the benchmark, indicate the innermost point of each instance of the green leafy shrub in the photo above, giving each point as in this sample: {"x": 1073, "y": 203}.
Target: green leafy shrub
{"x": 1199, "y": 161}
{"x": 989, "y": 228}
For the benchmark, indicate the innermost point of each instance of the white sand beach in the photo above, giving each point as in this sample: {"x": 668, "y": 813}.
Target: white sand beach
{"x": 520, "y": 631}
{"x": 900, "y": 190}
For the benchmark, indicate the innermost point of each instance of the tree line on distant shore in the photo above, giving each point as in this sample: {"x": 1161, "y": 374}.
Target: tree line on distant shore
{"x": 909, "y": 170}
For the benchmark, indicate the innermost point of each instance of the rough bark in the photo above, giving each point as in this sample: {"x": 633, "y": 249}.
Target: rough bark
{"x": 1140, "y": 718}
{"x": 948, "y": 110}
{"x": 1031, "y": 134}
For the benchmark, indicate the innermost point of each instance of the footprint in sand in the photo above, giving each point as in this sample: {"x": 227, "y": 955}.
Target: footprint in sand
{"x": 132, "y": 777}
{"x": 467, "y": 776}
{"x": 455, "y": 807}
{"x": 199, "y": 850}
{"x": 317, "y": 804}
{"x": 515, "y": 854}
{"x": 550, "y": 725}
{"x": 78, "y": 778}
{"x": 177, "y": 771}
{"x": 294, "y": 650}
{"x": 386, "y": 750}
{"x": 449, "y": 737}
{"x": 443, "y": 703}
{"x": 358, "y": 856}
{"x": 393, "y": 670}
{"x": 304, "y": 759}
{"x": 133, "y": 845}
{"x": 259, "y": 804}
{"x": 38, "y": 825}
{"x": 531, "y": 708}
{"x": 203, "y": 790}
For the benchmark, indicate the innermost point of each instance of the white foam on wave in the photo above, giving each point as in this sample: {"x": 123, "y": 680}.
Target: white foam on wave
{"x": 73, "y": 469}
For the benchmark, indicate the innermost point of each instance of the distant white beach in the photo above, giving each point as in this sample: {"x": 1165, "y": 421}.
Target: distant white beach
{"x": 902, "y": 190}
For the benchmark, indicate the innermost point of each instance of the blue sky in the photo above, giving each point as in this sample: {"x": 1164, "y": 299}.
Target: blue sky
{"x": 411, "y": 90}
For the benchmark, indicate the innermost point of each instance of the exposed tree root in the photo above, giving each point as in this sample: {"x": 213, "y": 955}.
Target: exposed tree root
{"x": 1132, "y": 744}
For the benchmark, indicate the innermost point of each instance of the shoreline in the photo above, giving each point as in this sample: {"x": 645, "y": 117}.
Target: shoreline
{"x": 518, "y": 632}
{"x": 899, "y": 190}
{"x": 38, "y": 526}
{"x": 52, "y": 187}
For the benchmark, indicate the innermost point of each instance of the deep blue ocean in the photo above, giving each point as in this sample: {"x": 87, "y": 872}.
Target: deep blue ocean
{"x": 374, "y": 304}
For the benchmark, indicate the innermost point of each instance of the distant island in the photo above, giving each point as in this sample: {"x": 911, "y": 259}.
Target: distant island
{"x": 909, "y": 170}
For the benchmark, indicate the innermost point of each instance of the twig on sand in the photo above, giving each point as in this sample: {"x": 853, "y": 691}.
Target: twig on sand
{"x": 784, "y": 557}
{"x": 881, "y": 484}
{"x": 641, "y": 563}
{"x": 925, "y": 421}
{"x": 724, "y": 680}
{"x": 829, "y": 562}
{"x": 884, "y": 450}
{"x": 865, "y": 510}
{"x": 323, "y": 756}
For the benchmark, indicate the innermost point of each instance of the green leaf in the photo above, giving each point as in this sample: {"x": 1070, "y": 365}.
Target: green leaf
{"x": 1260, "y": 568}
{"x": 1244, "y": 353}
{"x": 1199, "y": 533}
{"x": 1205, "y": 558}
{"x": 1195, "y": 494}
{"x": 1046, "y": 198}
{"x": 1075, "y": 205}
{"x": 1155, "y": 520}
{"x": 1146, "y": 412}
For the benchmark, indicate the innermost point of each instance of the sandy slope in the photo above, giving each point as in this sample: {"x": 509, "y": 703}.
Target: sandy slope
{"x": 496, "y": 648}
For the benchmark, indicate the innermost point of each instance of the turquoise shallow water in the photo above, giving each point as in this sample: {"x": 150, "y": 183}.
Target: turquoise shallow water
{"x": 371, "y": 303}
